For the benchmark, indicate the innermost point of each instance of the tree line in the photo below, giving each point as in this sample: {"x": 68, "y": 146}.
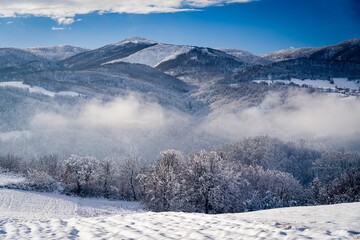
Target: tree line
{"x": 252, "y": 174}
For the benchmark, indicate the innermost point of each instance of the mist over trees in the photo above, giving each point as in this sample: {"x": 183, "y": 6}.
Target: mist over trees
{"x": 252, "y": 174}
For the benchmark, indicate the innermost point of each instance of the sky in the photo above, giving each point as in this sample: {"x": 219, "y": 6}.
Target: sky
{"x": 259, "y": 26}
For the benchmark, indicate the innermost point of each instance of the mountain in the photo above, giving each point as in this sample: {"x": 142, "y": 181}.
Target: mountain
{"x": 14, "y": 60}
{"x": 301, "y": 68}
{"x": 337, "y": 61}
{"x": 97, "y": 57}
{"x": 247, "y": 57}
{"x": 198, "y": 84}
{"x": 56, "y": 53}
{"x": 155, "y": 54}
{"x": 203, "y": 65}
{"x": 189, "y": 63}
{"x": 345, "y": 51}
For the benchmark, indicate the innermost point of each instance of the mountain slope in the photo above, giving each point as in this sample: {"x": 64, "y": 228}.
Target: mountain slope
{"x": 191, "y": 64}
{"x": 202, "y": 65}
{"x": 338, "y": 61}
{"x": 17, "y": 60}
{"x": 247, "y": 57}
{"x": 345, "y": 51}
{"x": 301, "y": 68}
{"x": 155, "y": 55}
{"x": 105, "y": 54}
{"x": 56, "y": 53}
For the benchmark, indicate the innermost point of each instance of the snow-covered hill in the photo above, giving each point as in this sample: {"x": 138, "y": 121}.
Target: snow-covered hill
{"x": 154, "y": 55}
{"x": 247, "y": 57}
{"x": 97, "y": 57}
{"x": 31, "y": 215}
{"x": 17, "y": 59}
{"x": 56, "y": 53}
{"x": 345, "y": 51}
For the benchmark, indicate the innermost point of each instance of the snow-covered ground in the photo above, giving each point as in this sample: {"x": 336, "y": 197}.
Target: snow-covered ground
{"x": 9, "y": 178}
{"x": 35, "y": 89}
{"x": 32, "y": 215}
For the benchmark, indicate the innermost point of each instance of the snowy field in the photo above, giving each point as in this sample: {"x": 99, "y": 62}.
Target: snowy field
{"x": 32, "y": 215}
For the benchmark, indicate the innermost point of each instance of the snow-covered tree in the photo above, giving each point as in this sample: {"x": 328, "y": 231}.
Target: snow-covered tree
{"x": 107, "y": 174}
{"x": 161, "y": 181}
{"x": 129, "y": 170}
{"x": 42, "y": 181}
{"x": 203, "y": 182}
{"x": 80, "y": 171}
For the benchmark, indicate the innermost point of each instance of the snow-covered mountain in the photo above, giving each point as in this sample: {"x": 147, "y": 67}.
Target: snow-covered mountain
{"x": 111, "y": 52}
{"x": 337, "y": 61}
{"x": 155, "y": 55}
{"x": 196, "y": 81}
{"x": 18, "y": 61}
{"x": 189, "y": 63}
{"x": 247, "y": 56}
{"x": 345, "y": 51}
{"x": 56, "y": 53}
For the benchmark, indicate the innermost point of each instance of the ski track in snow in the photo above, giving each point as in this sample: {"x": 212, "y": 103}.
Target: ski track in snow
{"x": 33, "y": 215}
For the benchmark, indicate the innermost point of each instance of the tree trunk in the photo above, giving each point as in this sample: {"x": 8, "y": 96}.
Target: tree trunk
{"x": 132, "y": 185}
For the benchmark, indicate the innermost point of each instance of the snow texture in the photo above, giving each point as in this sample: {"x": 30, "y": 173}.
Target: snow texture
{"x": 56, "y": 53}
{"x": 154, "y": 55}
{"x": 10, "y": 178}
{"x": 31, "y": 215}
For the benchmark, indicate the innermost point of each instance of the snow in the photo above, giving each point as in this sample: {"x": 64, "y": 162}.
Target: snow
{"x": 136, "y": 40}
{"x": 28, "y": 205}
{"x": 10, "y": 178}
{"x": 314, "y": 83}
{"x": 68, "y": 93}
{"x": 56, "y": 53}
{"x": 154, "y": 55}
{"x": 343, "y": 83}
{"x": 35, "y": 89}
{"x": 246, "y": 56}
{"x": 32, "y": 215}
{"x": 291, "y": 53}
{"x": 27, "y": 87}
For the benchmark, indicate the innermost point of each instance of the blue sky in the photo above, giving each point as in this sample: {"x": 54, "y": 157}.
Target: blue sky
{"x": 257, "y": 26}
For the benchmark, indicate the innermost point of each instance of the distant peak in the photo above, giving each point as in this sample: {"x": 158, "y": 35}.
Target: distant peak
{"x": 351, "y": 41}
{"x": 136, "y": 40}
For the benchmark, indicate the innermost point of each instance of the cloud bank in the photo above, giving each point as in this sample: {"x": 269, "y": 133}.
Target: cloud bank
{"x": 307, "y": 116}
{"x": 64, "y": 11}
{"x": 130, "y": 125}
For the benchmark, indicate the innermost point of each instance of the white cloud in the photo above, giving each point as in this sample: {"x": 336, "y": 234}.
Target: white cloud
{"x": 298, "y": 116}
{"x": 57, "y": 28}
{"x": 119, "y": 115}
{"x": 64, "y": 11}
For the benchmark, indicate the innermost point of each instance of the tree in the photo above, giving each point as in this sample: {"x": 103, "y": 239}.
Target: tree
{"x": 107, "y": 172}
{"x": 161, "y": 181}
{"x": 129, "y": 170}
{"x": 202, "y": 185}
{"x": 80, "y": 171}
